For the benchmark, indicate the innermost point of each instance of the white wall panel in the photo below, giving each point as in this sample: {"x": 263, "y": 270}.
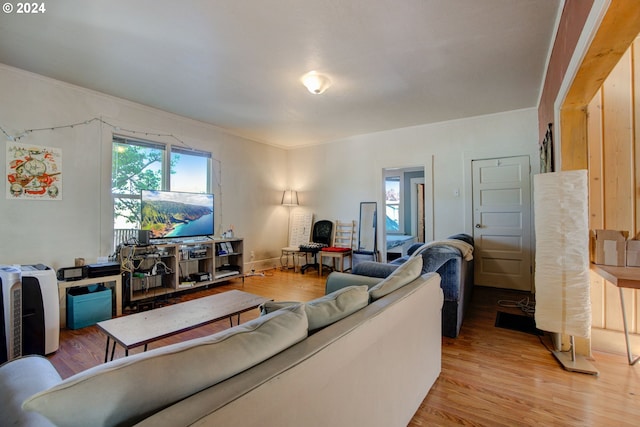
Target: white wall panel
{"x": 54, "y": 233}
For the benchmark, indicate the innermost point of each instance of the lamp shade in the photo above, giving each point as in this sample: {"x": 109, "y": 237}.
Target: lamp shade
{"x": 562, "y": 282}
{"x": 289, "y": 198}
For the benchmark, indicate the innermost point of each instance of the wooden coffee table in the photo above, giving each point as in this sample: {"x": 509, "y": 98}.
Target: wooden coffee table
{"x": 148, "y": 326}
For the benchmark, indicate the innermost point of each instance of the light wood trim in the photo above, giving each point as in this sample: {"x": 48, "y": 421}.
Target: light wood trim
{"x": 573, "y": 137}
{"x": 596, "y": 173}
{"x": 622, "y": 277}
{"x": 635, "y": 54}
{"x": 619, "y": 27}
{"x": 617, "y": 113}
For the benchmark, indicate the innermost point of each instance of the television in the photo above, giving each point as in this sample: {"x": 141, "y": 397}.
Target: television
{"x": 176, "y": 215}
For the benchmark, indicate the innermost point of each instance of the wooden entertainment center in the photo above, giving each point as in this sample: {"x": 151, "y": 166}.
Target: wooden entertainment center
{"x": 165, "y": 268}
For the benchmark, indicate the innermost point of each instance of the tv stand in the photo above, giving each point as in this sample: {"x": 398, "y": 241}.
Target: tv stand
{"x": 161, "y": 269}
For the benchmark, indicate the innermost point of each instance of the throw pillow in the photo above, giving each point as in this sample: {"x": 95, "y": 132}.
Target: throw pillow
{"x": 406, "y": 273}
{"x": 337, "y": 305}
{"x": 130, "y": 389}
{"x": 271, "y": 306}
{"x": 328, "y": 309}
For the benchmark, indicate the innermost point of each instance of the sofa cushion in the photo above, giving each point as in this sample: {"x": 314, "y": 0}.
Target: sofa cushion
{"x": 402, "y": 275}
{"x": 328, "y": 309}
{"x": 338, "y": 280}
{"x": 377, "y": 269}
{"x": 19, "y": 379}
{"x": 130, "y": 389}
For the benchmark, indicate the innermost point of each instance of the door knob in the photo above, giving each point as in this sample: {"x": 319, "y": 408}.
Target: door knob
{"x": 478, "y": 226}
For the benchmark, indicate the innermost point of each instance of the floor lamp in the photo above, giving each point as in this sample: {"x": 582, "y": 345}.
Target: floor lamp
{"x": 563, "y": 303}
{"x": 289, "y": 199}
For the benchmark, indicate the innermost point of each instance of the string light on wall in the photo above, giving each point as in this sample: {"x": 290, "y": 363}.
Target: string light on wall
{"x": 26, "y": 132}
{"x": 17, "y": 137}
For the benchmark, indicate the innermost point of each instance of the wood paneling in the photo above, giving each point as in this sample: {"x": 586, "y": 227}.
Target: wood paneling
{"x": 573, "y": 137}
{"x": 490, "y": 376}
{"x": 613, "y": 200}
{"x": 618, "y": 162}
{"x": 605, "y": 143}
{"x": 619, "y": 27}
{"x": 596, "y": 173}
{"x": 635, "y": 57}
{"x": 596, "y": 195}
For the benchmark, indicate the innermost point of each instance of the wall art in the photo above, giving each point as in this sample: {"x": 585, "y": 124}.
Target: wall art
{"x": 33, "y": 172}
{"x": 547, "y": 159}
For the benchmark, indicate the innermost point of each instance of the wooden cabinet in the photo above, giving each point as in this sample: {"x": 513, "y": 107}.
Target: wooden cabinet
{"x": 156, "y": 270}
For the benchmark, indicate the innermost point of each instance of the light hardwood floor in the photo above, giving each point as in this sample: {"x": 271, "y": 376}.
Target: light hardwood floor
{"x": 490, "y": 376}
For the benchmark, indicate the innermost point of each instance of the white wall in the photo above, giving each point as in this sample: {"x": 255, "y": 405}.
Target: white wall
{"x": 56, "y": 232}
{"x": 334, "y": 178}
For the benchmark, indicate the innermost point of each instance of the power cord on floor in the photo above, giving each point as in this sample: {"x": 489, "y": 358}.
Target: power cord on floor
{"x": 254, "y": 273}
{"x": 263, "y": 273}
{"x": 527, "y": 306}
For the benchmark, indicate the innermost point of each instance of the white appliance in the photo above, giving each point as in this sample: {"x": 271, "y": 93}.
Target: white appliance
{"x": 40, "y": 310}
{"x": 10, "y": 313}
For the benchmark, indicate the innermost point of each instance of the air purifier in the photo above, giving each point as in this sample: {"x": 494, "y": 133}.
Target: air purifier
{"x": 40, "y": 310}
{"x": 10, "y": 313}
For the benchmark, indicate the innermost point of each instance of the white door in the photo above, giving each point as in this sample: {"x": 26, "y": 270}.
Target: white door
{"x": 502, "y": 222}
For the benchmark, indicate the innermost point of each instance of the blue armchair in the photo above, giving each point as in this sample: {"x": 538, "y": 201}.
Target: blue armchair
{"x": 455, "y": 269}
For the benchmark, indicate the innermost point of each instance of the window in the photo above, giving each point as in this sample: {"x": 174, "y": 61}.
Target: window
{"x": 190, "y": 170}
{"x": 144, "y": 165}
{"x": 136, "y": 165}
{"x": 392, "y": 203}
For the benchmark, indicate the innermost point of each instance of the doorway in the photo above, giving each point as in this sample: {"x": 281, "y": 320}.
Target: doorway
{"x": 502, "y": 222}
{"x": 407, "y": 204}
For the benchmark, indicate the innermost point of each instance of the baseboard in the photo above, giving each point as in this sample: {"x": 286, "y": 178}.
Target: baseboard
{"x": 609, "y": 341}
{"x": 262, "y": 265}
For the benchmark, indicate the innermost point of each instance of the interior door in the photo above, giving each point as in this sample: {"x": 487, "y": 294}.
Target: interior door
{"x": 502, "y": 222}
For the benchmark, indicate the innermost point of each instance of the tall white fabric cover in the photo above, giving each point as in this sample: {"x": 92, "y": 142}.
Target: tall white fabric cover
{"x": 562, "y": 283}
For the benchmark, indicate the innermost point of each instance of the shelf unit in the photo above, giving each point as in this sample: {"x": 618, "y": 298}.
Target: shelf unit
{"x": 63, "y": 287}
{"x": 162, "y": 269}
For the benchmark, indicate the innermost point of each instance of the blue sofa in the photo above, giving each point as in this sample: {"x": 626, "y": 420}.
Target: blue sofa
{"x": 446, "y": 260}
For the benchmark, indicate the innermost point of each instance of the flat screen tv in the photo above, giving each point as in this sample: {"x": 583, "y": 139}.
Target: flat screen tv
{"x": 176, "y": 215}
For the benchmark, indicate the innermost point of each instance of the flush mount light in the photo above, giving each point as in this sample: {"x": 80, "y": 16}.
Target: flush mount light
{"x": 315, "y": 82}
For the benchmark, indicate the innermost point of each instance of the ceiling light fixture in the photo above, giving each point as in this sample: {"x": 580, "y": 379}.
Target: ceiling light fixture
{"x": 315, "y": 82}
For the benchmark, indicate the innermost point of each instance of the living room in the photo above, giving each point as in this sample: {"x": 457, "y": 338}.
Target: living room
{"x": 332, "y": 178}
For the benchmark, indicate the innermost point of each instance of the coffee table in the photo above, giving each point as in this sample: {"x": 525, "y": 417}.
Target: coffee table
{"x": 148, "y": 326}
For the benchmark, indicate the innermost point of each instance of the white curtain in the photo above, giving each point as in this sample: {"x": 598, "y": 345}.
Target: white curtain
{"x": 562, "y": 283}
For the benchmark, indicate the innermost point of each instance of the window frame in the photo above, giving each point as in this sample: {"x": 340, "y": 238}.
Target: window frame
{"x": 168, "y": 150}
{"x": 191, "y": 152}
{"x": 400, "y": 208}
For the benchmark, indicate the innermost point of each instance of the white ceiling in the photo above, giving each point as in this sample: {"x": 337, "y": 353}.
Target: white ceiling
{"x": 237, "y": 63}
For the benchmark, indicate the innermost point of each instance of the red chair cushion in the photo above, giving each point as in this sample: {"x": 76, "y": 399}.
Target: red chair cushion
{"x": 336, "y": 249}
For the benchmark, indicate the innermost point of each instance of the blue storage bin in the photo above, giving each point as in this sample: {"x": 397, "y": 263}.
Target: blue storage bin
{"x": 87, "y": 306}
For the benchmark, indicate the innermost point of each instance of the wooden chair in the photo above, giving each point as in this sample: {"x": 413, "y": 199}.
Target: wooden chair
{"x": 342, "y": 246}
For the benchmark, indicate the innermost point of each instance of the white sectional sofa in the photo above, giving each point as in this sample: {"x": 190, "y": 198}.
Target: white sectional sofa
{"x": 373, "y": 367}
